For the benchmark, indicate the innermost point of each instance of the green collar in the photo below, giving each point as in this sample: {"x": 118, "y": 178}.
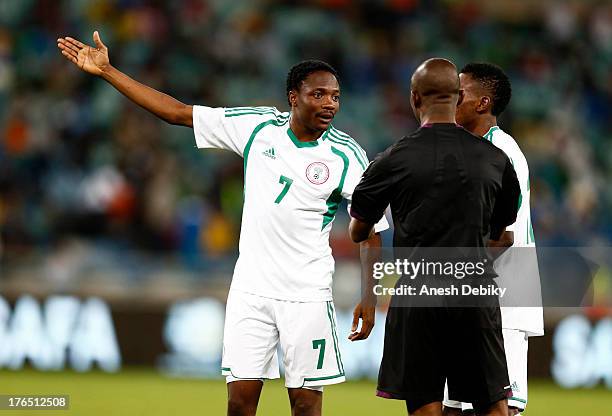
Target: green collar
{"x": 312, "y": 143}
{"x": 489, "y": 134}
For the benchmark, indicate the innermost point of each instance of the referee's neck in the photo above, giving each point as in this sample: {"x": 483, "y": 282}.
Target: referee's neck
{"x": 438, "y": 118}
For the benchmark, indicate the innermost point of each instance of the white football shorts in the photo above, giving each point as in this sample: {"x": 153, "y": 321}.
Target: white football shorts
{"x": 515, "y": 344}
{"x": 305, "y": 331}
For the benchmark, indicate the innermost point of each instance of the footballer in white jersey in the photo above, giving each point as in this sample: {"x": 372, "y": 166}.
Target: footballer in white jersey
{"x": 487, "y": 92}
{"x": 297, "y": 170}
{"x": 528, "y": 319}
{"x": 292, "y": 191}
{"x": 291, "y": 194}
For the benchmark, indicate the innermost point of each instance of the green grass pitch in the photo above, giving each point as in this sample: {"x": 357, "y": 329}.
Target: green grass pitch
{"x": 144, "y": 392}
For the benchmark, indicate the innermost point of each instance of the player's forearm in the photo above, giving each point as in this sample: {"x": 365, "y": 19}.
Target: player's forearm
{"x": 162, "y": 105}
{"x": 369, "y": 253}
{"x": 498, "y": 247}
{"x": 360, "y": 231}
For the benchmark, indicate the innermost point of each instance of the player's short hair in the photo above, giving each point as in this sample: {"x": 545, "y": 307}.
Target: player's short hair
{"x": 494, "y": 80}
{"x": 300, "y": 71}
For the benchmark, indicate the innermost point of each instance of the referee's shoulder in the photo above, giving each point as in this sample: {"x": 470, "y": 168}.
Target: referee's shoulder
{"x": 403, "y": 143}
{"x": 388, "y": 155}
{"x": 480, "y": 141}
{"x": 412, "y": 138}
{"x": 492, "y": 151}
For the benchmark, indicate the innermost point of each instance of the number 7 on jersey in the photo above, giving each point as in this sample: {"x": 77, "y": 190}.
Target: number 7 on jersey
{"x": 287, "y": 181}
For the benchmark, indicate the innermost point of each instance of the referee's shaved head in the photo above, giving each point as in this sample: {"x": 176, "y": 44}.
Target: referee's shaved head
{"x": 435, "y": 88}
{"x": 437, "y": 78}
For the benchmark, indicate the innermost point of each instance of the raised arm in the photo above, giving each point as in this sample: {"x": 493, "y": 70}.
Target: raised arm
{"x": 95, "y": 61}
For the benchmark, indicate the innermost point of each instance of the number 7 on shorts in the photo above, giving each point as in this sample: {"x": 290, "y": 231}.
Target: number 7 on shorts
{"x": 319, "y": 343}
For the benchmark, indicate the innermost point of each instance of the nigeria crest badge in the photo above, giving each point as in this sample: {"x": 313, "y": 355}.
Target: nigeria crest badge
{"x": 317, "y": 173}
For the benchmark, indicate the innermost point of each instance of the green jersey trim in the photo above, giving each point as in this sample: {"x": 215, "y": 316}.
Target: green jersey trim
{"x": 278, "y": 117}
{"x": 330, "y": 313}
{"x": 332, "y": 206}
{"x": 326, "y": 134}
{"x": 530, "y": 235}
{"x": 258, "y": 108}
{"x": 345, "y": 136}
{"x": 335, "y": 333}
{"x": 247, "y": 148}
{"x": 489, "y": 135}
{"x": 353, "y": 147}
{"x": 323, "y": 378}
{"x": 262, "y": 111}
{"x": 517, "y": 399}
{"x": 229, "y": 370}
{"x": 336, "y": 196}
{"x": 299, "y": 143}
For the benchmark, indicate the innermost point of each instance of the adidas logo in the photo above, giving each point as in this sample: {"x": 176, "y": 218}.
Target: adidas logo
{"x": 514, "y": 386}
{"x": 270, "y": 153}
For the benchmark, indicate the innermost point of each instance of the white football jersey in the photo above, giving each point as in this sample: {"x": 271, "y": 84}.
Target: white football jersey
{"x": 529, "y": 319}
{"x": 292, "y": 190}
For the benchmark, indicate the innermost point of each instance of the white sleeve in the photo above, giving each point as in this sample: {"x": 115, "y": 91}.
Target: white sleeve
{"x": 226, "y": 128}
{"x": 519, "y": 163}
{"x": 354, "y": 174}
{"x": 381, "y": 225}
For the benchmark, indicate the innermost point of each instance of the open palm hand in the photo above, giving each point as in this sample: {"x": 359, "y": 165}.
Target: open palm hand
{"x": 91, "y": 60}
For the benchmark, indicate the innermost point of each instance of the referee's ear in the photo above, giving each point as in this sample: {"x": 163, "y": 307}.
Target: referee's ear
{"x": 415, "y": 98}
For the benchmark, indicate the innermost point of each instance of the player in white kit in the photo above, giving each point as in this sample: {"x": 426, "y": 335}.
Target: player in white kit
{"x": 487, "y": 93}
{"x": 297, "y": 170}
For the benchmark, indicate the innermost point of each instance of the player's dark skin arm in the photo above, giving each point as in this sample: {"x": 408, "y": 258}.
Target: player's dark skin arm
{"x": 498, "y": 247}
{"x": 95, "y": 61}
{"x": 369, "y": 253}
{"x": 451, "y": 411}
{"x": 359, "y": 230}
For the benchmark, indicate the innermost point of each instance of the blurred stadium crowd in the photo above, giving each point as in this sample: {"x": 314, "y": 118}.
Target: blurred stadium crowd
{"x": 82, "y": 170}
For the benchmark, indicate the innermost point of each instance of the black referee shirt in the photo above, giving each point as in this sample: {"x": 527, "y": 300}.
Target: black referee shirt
{"x": 446, "y": 187}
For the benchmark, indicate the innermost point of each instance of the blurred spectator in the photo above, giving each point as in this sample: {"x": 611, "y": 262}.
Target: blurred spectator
{"x": 78, "y": 160}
